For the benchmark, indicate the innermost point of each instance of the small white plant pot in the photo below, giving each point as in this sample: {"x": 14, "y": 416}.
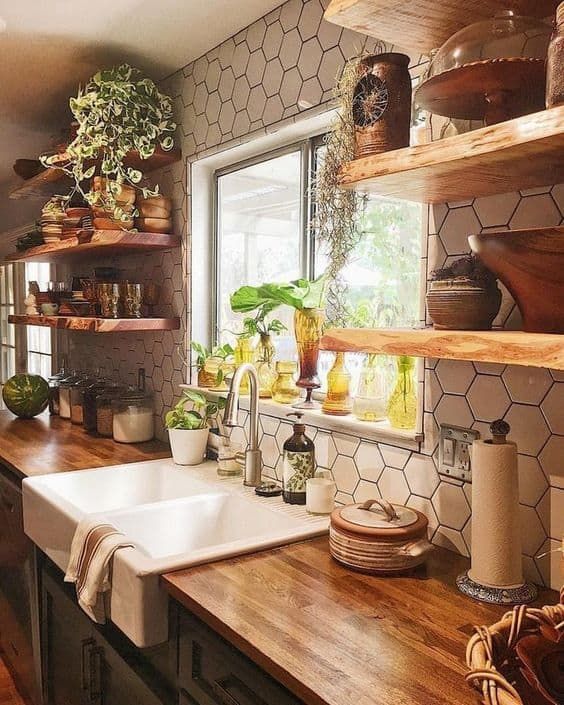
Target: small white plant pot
{"x": 188, "y": 446}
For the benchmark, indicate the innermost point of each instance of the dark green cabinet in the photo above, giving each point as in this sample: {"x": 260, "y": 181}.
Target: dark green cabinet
{"x": 80, "y": 666}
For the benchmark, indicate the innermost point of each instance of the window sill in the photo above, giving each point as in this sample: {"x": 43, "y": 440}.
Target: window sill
{"x": 370, "y": 430}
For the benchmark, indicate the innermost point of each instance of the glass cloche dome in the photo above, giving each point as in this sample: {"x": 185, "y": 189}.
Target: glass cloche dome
{"x": 493, "y": 69}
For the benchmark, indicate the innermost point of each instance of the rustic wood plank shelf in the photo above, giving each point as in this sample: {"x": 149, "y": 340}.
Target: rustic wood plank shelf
{"x": 503, "y": 347}
{"x": 103, "y": 242}
{"x": 522, "y": 153}
{"x": 54, "y": 181}
{"x": 422, "y": 25}
{"x": 91, "y": 324}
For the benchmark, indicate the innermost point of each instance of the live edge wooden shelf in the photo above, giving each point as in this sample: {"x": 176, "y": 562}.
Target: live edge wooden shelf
{"x": 103, "y": 242}
{"x": 51, "y": 181}
{"x": 503, "y": 347}
{"x": 90, "y": 324}
{"x": 517, "y": 154}
{"x": 423, "y": 25}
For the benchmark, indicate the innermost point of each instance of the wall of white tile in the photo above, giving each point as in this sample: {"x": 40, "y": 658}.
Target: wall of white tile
{"x": 279, "y": 69}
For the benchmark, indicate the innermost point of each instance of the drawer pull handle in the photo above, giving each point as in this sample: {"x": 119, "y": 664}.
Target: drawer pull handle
{"x": 221, "y": 687}
{"x": 95, "y": 686}
{"x": 85, "y": 646}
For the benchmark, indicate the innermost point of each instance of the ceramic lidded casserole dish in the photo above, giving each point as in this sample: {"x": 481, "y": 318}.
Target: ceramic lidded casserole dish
{"x": 378, "y": 537}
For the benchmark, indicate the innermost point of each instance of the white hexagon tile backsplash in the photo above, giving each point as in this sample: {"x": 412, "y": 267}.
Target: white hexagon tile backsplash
{"x": 275, "y": 70}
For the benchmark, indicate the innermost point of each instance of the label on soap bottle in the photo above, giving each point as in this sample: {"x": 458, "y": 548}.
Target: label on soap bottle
{"x": 298, "y": 466}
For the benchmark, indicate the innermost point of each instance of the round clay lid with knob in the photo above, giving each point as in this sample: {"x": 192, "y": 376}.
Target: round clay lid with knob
{"x": 378, "y": 518}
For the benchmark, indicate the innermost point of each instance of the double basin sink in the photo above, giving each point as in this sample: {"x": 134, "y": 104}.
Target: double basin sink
{"x": 175, "y": 517}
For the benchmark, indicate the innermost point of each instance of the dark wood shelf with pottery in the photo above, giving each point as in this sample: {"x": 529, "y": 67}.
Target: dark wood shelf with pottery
{"x": 522, "y": 153}
{"x": 92, "y": 324}
{"x": 102, "y": 242}
{"x": 498, "y": 346}
{"x": 52, "y": 181}
{"x": 423, "y": 25}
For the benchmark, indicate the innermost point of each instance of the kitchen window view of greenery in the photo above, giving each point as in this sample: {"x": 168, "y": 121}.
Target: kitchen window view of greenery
{"x": 266, "y": 232}
{"x": 34, "y": 345}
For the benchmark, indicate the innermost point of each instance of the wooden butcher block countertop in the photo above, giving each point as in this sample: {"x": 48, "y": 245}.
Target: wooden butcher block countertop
{"x": 336, "y": 637}
{"x": 48, "y": 444}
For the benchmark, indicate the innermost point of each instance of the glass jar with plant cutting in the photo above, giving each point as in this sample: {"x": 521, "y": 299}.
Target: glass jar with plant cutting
{"x": 188, "y": 429}
{"x": 402, "y": 405}
{"x": 212, "y": 365}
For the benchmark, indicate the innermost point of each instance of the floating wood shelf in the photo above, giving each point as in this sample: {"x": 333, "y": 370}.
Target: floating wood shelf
{"x": 97, "y": 325}
{"x": 504, "y": 347}
{"x": 522, "y": 153}
{"x": 54, "y": 181}
{"x": 103, "y": 242}
{"x": 423, "y": 25}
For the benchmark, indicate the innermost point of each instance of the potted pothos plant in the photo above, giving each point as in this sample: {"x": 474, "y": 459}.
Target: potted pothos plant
{"x": 188, "y": 428}
{"x": 308, "y": 299}
{"x": 119, "y": 111}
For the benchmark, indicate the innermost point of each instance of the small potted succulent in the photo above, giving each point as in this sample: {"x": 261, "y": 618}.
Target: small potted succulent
{"x": 463, "y": 296}
{"x": 188, "y": 429}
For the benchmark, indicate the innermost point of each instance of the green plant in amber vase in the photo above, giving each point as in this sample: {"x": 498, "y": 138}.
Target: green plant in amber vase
{"x": 118, "y": 111}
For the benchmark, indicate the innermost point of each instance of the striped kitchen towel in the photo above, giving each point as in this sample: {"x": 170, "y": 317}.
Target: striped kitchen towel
{"x": 90, "y": 565}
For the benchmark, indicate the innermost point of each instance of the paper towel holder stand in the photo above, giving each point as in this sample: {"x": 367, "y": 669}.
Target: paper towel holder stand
{"x": 502, "y": 595}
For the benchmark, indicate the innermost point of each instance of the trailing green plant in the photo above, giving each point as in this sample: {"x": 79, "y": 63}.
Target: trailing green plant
{"x": 299, "y": 294}
{"x": 338, "y": 212}
{"x": 118, "y": 111}
{"x": 202, "y": 353}
{"x": 198, "y": 417}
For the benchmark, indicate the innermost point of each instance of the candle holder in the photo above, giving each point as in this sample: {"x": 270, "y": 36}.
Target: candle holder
{"x": 308, "y": 324}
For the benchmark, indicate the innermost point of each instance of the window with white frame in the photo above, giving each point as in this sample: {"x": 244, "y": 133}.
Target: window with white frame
{"x": 263, "y": 216}
{"x": 22, "y": 349}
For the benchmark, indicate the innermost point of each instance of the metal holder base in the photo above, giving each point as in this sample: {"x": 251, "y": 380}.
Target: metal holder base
{"x": 522, "y": 594}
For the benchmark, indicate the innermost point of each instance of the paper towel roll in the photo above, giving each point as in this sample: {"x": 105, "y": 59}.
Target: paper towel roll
{"x": 496, "y": 536}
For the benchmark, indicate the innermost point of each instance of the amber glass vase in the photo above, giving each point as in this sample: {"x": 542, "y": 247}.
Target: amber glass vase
{"x": 308, "y": 325}
{"x": 284, "y": 389}
{"x": 402, "y": 405}
{"x": 266, "y": 367}
{"x": 338, "y": 400}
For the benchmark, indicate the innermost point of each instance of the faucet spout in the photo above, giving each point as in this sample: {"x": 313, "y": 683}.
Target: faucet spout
{"x": 253, "y": 455}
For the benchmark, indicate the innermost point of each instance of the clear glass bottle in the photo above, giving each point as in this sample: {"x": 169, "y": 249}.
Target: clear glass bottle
{"x": 372, "y": 393}
{"x": 555, "y": 63}
{"x": 244, "y": 352}
{"x": 338, "y": 400}
{"x": 402, "y": 405}
{"x": 266, "y": 367}
{"x": 284, "y": 389}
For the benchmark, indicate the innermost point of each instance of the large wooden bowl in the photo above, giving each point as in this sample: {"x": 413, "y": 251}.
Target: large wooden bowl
{"x": 531, "y": 265}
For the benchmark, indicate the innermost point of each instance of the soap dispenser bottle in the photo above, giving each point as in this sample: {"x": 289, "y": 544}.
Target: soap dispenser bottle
{"x": 298, "y": 463}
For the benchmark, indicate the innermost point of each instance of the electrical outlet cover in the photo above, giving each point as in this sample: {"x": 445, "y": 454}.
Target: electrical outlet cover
{"x": 454, "y": 452}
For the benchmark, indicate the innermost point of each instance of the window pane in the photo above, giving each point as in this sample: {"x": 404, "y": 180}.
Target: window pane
{"x": 259, "y": 231}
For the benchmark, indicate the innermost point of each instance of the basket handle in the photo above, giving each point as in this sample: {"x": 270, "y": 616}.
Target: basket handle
{"x": 389, "y": 511}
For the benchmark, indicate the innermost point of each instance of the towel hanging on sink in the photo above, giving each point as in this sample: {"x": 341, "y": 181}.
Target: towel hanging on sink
{"x": 92, "y": 550}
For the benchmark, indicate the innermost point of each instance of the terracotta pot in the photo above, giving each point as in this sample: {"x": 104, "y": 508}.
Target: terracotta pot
{"x": 126, "y": 194}
{"x": 458, "y": 304}
{"x": 382, "y": 104}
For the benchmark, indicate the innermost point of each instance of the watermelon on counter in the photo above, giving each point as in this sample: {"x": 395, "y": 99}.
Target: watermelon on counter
{"x": 26, "y": 395}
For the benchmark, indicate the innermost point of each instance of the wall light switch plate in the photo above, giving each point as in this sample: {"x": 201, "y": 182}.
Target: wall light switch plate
{"x": 455, "y": 452}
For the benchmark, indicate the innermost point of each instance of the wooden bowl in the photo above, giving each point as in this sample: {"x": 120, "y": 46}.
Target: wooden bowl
{"x": 150, "y": 210}
{"x": 457, "y": 304}
{"x": 531, "y": 265}
{"x": 159, "y": 201}
{"x": 126, "y": 194}
{"x": 154, "y": 225}
{"x": 111, "y": 224}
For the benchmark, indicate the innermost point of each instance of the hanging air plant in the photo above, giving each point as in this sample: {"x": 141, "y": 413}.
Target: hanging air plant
{"x": 119, "y": 111}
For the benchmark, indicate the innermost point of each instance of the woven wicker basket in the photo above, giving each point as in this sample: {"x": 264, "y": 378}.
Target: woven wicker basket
{"x": 491, "y": 656}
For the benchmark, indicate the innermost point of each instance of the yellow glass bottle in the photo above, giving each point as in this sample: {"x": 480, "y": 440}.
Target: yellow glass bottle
{"x": 338, "y": 400}
{"x": 265, "y": 365}
{"x": 284, "y": 389}
{"x": 244, "y": 352}
{"x": 402, "y": 405}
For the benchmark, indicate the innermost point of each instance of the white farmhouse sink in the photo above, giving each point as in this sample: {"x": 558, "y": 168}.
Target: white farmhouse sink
{"x": 176, "y": 517}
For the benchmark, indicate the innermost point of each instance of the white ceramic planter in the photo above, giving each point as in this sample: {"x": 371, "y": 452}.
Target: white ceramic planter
{"x": 188, "y": 447}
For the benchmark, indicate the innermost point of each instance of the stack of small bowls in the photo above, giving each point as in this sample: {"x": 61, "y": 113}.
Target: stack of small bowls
{"x": 52, "y": 217}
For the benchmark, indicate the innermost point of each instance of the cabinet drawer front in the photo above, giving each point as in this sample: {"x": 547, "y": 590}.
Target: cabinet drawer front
{"x": 213, "y": 672}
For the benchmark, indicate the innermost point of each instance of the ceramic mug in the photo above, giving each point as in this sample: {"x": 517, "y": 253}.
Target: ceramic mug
{"x": 49, "y": 309}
